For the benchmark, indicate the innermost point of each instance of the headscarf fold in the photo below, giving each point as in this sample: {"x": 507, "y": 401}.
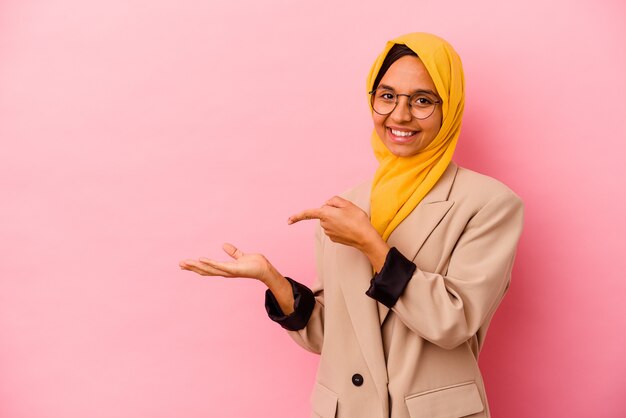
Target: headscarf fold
{"x": 400, "y": 183}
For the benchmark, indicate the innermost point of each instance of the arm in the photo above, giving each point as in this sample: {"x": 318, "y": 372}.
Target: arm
{"x": 306, "y": 323}
{"x": 448, "y": 310}
{"x": 303, "y": 307}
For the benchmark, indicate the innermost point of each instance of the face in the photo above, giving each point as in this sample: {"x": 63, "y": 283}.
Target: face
{"x": 402, "y": 133}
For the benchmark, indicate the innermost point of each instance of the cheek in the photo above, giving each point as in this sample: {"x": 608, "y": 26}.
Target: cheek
{"x": 379, "y": 123}
{"x": 433, "y": 124}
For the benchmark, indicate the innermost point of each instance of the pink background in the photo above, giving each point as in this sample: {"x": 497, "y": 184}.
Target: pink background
{"x": 137, "y": 133}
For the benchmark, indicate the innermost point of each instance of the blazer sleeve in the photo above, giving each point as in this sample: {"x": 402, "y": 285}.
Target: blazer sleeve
{"x": 306, "y": 324}
{"x": 448, "y": 310}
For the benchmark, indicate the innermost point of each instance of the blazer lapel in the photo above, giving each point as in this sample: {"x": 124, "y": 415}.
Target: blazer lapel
{"x": 408, "y": 238}
{"x": 410, "y": 234}
{"x": 355, "y": 271}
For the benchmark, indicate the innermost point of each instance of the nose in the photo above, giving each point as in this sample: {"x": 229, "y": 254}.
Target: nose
{"x": 402, "y": 112}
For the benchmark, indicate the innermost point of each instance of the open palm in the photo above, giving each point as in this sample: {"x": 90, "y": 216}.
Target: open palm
{"x": 254, "y": 266}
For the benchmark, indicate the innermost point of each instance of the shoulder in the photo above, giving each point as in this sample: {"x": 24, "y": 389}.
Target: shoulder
{"x": 359, "y": 194}
{"x": 476, "y": 190}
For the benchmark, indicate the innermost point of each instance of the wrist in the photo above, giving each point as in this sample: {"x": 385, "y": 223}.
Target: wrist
{"x": 281, "y": 289}
{"x": 376, "y": 249}
{"x": 270, "y": 275}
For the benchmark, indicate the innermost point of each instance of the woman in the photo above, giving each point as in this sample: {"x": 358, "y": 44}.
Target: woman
{"x": 411, "y": 265}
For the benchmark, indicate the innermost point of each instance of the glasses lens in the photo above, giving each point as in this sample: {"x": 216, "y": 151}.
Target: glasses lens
{"x": 422, "y": 105}
{"x": 383, "y": 101}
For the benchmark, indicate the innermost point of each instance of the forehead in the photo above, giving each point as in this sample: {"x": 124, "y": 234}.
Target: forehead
{"x": 407, "y": 74}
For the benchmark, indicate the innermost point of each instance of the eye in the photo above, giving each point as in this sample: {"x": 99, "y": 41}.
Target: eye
{"x": 422, "y": 101}
{"x": 386, "y": 96}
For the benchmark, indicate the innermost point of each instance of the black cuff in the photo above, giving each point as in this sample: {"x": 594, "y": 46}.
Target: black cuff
{"x": 303, "y": 305}
{"x": 387, "y": 285}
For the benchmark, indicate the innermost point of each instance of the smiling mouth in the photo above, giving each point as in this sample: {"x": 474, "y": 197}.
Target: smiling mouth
{"x": 401, "y": 136}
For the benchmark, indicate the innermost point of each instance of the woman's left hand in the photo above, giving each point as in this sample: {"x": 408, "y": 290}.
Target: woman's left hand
{"x": 342, "y": 221}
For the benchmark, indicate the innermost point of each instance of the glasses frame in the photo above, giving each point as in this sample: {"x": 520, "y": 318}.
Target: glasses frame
{"x": 408, "y": 96}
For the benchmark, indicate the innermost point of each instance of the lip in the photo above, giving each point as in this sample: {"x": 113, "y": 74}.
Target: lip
{"x": 401, "y": 139}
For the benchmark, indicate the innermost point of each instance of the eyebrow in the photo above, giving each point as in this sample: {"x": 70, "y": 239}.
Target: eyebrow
{"x": 386, "y": 87}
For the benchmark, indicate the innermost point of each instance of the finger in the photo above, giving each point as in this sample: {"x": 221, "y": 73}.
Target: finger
{"x": 197, "y": 270}
{"x": 232, "y": 251}
{"x": 337, "y": 202}
{"x": 305, "y": 215}
{"x": 210, "y": 269}
{"x": 230, "y": 269}
{"x": 205, "y": 270}
{"x": 186, "y": 264}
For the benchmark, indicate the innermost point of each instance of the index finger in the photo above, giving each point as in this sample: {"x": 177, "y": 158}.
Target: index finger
{"x": 304, "y": 215}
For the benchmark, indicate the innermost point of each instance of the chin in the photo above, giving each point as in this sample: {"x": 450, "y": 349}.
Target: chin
{"x": 402, "y": 151}
{"x": 404, "y": 154}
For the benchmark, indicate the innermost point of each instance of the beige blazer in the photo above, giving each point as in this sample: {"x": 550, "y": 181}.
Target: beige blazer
{"x": 462, "y": 237}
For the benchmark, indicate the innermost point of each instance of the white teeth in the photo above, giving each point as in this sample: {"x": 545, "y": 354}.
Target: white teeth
{"x": 402, "y": 133}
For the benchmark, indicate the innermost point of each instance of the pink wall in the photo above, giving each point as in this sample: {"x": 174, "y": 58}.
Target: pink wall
{"x": 137, "y": 133}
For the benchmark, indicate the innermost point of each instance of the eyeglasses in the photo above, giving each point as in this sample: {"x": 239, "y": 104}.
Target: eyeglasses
{"x": 421, "y": 104}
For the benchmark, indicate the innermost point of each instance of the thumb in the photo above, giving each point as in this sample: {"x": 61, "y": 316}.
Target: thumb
{"x": 337, "y": 202}
{"x": 232, "y": 251}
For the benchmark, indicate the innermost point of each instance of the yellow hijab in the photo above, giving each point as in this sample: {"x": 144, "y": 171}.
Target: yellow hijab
{"x": 400, "y": 183}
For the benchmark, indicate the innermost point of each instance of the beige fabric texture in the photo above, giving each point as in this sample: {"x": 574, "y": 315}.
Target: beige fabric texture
{"x": 462, "y": 237}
